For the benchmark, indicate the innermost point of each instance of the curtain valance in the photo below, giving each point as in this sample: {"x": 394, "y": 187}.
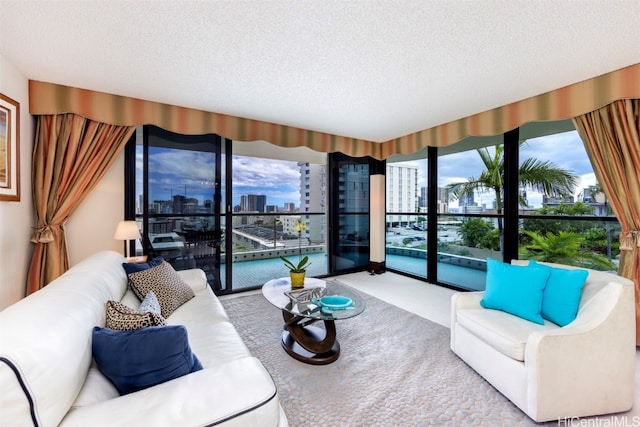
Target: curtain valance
{"x": 49, "y": 98}
{"x": 560, "y": 104}
{"x": 564, "y": 103}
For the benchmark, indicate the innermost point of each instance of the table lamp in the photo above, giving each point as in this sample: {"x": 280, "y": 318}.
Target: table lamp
{"x": 127, "y": 230}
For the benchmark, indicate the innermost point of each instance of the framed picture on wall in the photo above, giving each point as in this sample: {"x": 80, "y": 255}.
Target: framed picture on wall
{"x": 9, "y": 149}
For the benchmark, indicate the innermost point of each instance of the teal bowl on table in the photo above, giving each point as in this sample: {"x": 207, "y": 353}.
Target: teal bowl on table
{"x": 335, "y": 302}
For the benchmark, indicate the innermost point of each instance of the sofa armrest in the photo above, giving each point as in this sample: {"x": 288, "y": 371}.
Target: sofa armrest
{"x": 460, "y": 301}
{"x": 464, "y": 300}
{"x": 195, "y": 277}
{"x": 592, "y": 358}
{"x": 239, "y": 392}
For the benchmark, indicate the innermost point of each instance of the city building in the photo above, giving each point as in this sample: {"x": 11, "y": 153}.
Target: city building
{"x": 313, "y": 194}
{"x": 401, "y": 193}
{"x": 253, "y": 203}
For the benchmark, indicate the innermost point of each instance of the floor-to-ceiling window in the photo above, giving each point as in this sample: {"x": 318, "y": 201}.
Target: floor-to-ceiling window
{"x": 200, "y": 204}
{"x": 227, "y": 207}
{"x": 406, "y": 216}
{"x": 530, "y": 193}
{"x": 578, "y": 228}
{"x": 178, "y": 191}
{"x": 270, "y": 198}
{"x": 471, "y": 218}
{"x": 349, "y": 212}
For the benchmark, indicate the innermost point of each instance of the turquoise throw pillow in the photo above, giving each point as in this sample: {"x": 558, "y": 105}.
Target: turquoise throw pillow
{"x": 134, "y": 360}
{"x": 515, "y": 289}
{"x": 562, "y": 294}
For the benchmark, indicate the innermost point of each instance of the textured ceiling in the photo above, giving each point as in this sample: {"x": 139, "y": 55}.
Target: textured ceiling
{"x": 366, "y": 69}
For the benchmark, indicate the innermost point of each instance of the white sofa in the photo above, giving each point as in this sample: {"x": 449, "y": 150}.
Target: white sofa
{"x": 550, "y": 372}
{"x": 47, "y": 377}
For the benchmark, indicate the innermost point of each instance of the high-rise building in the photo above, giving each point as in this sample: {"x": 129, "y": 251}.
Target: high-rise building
{"x": 253, "y": 202}
{"x": 401, "y": 192}
{"x": 313, "y": 190}
{"x": 467, "y": 200}
{"x": 289, "y": 207}
{"x": 422, "y": 199}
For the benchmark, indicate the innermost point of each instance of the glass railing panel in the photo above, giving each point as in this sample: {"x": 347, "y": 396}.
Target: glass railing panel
{"x": 406, "y": 243}
{"x": 464, "y": 244}
{"x": 351, "y": 250}
{"x": 259, "y": 240}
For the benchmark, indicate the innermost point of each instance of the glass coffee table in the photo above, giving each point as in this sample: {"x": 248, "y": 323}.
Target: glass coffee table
{"x": 300, "y": 338}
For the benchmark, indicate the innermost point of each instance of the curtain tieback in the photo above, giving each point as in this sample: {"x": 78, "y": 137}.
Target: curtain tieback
{"x": 630, "y": 240}
{"x": 44, "y": 234}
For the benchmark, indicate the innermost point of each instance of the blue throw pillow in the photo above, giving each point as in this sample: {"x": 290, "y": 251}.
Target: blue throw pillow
{"x": 134, "y": 268}
{"x": 515, "y": 289}
{"x": 562, "y": 294}
{"x": 134, "y": 360}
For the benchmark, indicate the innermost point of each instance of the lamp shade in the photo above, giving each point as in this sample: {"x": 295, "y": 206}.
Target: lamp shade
{"x": 127, "y": 230}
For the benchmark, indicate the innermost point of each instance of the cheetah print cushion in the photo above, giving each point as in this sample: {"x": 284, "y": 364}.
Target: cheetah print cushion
{"x": 123, "y": 318}
{"x": 166, "y": 283}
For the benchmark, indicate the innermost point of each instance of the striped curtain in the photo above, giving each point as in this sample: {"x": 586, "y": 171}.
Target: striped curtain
{"x": 611, "y": 137}
{"x": 70, "y": 156}
{"x": 561, "y": 104}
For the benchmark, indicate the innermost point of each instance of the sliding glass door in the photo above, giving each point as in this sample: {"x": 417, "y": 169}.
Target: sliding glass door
{"x": 179, "y": 200}
{"x": 349, "y": 213}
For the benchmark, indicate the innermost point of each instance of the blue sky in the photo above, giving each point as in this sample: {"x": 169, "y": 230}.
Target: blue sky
{"x": 564, "y": 150}
{"x": 191, "y": 173}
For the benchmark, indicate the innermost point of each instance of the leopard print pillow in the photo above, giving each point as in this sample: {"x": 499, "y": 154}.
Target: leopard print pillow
{"x": 123, "y": 318}
{"x": 166, "y": 283}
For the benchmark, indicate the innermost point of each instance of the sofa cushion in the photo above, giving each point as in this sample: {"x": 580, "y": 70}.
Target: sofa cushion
{"x": 515, "y": 289}
{"x": 96, "y": 388}
{"x": 502, "y": 331}
{"x": 123, "y": 318}
{"x": 141, "y": 266}
{"x": 172, "y": 291}
{"x": 134, "y": 360}
{"x": 561, "y": 296}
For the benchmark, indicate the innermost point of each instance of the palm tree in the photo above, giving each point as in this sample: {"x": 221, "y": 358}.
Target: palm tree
{"x": 563, "y": 248}
{"x": 534, "y": 174}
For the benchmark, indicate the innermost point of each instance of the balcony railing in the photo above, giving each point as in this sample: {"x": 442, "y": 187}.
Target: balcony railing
{"x": 258, "y": 243}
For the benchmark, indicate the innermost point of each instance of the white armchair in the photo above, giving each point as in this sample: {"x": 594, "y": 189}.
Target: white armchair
{"x": 584, "y": 368}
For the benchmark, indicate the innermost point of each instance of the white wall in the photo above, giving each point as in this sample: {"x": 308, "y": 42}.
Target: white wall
{"x": 89, "y": 229}
{"x": 16, "y": 218}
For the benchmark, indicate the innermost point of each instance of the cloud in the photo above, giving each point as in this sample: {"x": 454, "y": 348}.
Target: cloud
{"x": 565, "y": 150}
{"x": 192, "y": 173}
{"x": 279, "y": 180}
{"x": 459, "y": 167}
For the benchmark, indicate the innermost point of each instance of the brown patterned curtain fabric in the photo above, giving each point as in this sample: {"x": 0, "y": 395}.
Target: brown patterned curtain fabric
{"x": 70, "y": 156}
{"x": 611, "y": 138}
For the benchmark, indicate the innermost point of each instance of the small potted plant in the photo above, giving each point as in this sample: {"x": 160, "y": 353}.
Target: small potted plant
{"x": 298, "y": 271}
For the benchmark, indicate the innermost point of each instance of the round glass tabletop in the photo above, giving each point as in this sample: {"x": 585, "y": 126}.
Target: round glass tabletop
{"x": 306, "y": 302}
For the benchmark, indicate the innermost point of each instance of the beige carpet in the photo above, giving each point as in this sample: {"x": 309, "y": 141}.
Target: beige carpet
{"x": 395, "y": 369}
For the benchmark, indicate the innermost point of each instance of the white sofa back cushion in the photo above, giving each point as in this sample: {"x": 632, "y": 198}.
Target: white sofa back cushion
{"x": 52, "y": 328}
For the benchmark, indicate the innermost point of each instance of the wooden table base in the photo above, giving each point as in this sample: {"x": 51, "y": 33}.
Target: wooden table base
{"x": 307, "y": 343}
